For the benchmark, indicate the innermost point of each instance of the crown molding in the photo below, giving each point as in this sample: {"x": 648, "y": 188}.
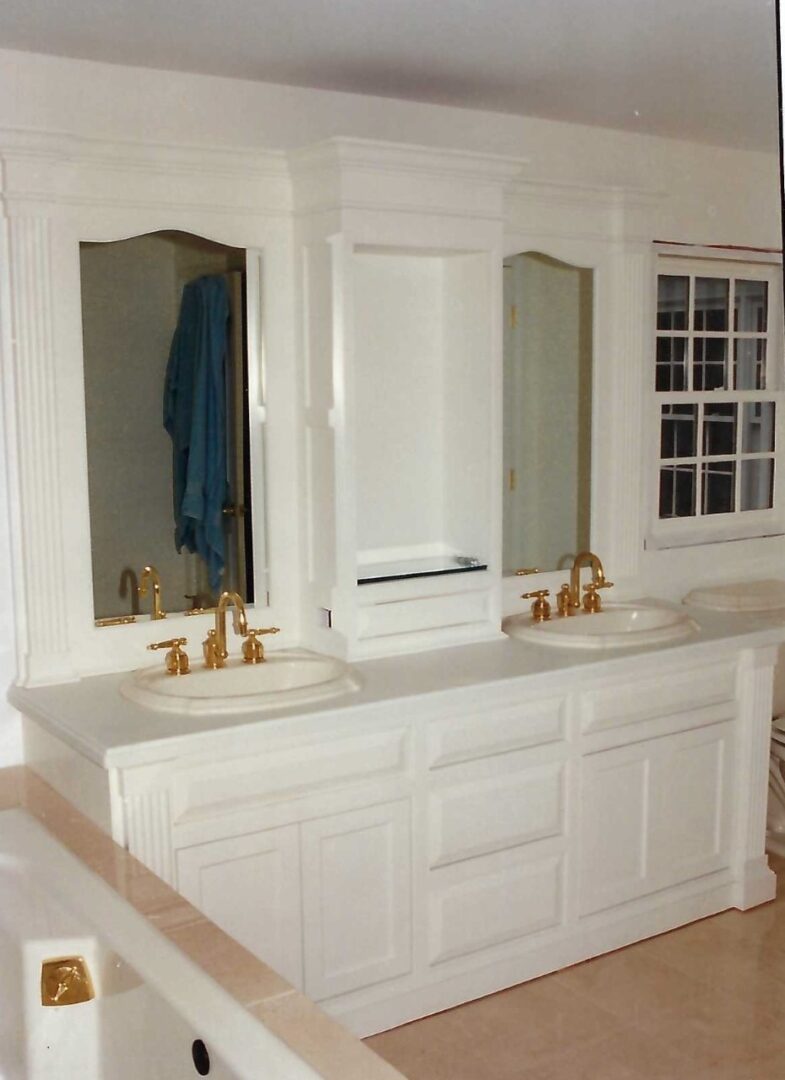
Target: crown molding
{"x": 49, "y": 167}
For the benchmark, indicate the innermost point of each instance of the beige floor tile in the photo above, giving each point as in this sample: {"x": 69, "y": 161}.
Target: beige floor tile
{"x": 439, "y": 1047}
{"x": 706, "y": 1002}
{"x": 523, "y": 1024}
{"x": 627, "y": 1055}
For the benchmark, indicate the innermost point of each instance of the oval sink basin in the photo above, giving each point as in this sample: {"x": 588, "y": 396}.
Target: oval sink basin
{"x": 286, "y": 678}
{"x": 750, "y": 596}
{"x": 616, "y": 626}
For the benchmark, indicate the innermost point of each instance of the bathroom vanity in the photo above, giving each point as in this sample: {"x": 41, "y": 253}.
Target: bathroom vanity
{"x": 467, "y": 819}
{"x": 470, "y": 811}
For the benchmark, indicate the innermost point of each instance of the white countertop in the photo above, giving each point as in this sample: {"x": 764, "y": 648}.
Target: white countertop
{"x": 93, "y": 718}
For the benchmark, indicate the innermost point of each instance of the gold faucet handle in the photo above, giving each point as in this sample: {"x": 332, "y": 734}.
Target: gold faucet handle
{"x": 541, "y": 609}
{"x": 253, "y": 650}
{"x": 177, "y": 662}
{"x": 592, "y": 602}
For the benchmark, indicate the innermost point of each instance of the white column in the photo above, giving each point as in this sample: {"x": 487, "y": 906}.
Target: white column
{"x": 31, "y": 394}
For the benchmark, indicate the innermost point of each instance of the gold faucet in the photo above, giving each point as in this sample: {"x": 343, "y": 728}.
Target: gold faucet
{"x": 569, "y": 598}
{"x": 215, "y": 651}
{"x": 150, "y": 574}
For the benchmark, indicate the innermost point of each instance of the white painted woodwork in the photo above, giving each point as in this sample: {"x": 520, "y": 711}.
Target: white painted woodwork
{"x": 495, "y": 812}
{"x": 250, "y": 887}
{"x": 400, "y": 856}
{"x": 401, "y": 308}
{"x": 149, "y": 831}
{"x": 654, "y": 813}
{"x": 59, "y": 190}
{"x": 514, "y": 727}
{"x": 686, "y": 691}
{"x": 339, "y": 234}
{"x": 357, "y": 919}
{"x": 486, "y": 908}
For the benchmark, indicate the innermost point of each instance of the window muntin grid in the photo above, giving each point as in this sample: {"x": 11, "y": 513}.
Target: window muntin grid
{"x": 716, "y": 417}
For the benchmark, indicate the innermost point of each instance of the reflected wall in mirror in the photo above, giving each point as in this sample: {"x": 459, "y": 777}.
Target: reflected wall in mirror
{"x": 547, "y": 411}
{"x": 166, "y": 396}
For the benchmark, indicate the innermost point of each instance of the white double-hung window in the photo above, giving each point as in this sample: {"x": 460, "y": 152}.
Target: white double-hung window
{"x": 718, "y": 394}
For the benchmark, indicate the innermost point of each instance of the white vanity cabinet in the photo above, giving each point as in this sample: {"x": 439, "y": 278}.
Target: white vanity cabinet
{"x": 402, "y": 854}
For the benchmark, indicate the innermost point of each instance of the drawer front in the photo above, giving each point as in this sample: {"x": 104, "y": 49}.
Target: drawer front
{"x": 491, "y": 908}
{"x": 667, "y": 694}
{"x": 424, "y": 613}
{"x": 512, "y": 727}
{"x": 495, "y": 812}
{"x": 289, "y": 772}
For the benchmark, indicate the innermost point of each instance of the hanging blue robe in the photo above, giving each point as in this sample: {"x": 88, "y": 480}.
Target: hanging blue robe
{"x": 195, "y": 418}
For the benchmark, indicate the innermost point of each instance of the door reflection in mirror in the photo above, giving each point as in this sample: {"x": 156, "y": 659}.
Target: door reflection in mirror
{"x": 548, "y": 328}
{"x": 132, "y": 296}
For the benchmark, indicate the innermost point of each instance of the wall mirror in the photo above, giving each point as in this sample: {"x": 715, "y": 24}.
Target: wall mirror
{"x": 548, "y": 335}
{"x": 164, "y": 324}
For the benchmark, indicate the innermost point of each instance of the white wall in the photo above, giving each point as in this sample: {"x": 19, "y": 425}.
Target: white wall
{"x": 714, "y": 195}
{"x": 10, "y": 731}
{"x": 710, "y": 194}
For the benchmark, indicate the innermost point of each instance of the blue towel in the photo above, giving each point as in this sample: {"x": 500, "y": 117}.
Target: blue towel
{"x": 195, "y": 418}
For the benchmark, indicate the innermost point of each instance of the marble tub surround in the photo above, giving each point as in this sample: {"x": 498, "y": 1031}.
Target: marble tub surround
{"x": 323, "y": 1043}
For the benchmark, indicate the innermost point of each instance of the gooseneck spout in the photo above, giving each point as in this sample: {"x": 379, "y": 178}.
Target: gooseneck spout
{"x": 215, "y": 651}
{"x": 151, "y": 576}
{"x": 570, "y": 596}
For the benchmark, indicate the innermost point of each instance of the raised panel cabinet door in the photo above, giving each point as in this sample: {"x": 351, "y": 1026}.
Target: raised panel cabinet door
{"x": 690, "y": 823}
{"x": 250, "y": 887}
{"x": 654, "y": 814}
{"x": 615, "y": 811}
{"x": 356, "y": 899}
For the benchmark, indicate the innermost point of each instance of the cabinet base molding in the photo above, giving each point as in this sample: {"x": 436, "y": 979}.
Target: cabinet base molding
{"x": 757, "y": 886}
{"x": 592, "y": 936}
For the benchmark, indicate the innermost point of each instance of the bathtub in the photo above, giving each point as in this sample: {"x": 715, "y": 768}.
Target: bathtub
{"x": 151, "y": 1002}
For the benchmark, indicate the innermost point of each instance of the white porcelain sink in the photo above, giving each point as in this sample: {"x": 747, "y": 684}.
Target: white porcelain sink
{"x": 616, "y": 626}
{"x": 750, "y": 596}
{"x": 289, "y": 677}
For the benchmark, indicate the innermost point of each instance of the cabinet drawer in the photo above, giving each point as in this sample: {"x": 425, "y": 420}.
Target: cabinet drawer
{"x": 288, "y": 772}
{"x": 493, "y": 907}
{"x": 423, "y": 613}
{"x": 495, "y": 812}
{"x": 511, "y": 727}
{"x": 666, "y": 694}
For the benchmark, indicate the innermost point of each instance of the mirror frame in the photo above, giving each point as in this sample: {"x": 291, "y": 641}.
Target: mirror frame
{"x": 607, "y": 231}
{"x": 91, "y": 191}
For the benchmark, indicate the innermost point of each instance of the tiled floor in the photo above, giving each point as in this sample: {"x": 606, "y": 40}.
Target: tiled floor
{"x": 706, "y": 1001}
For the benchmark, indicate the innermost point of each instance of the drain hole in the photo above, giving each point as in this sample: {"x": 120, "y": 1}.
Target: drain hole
{"x": 201, "y": 1057}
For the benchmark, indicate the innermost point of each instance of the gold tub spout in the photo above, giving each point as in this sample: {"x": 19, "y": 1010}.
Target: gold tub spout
{"x": 65, "y": 980}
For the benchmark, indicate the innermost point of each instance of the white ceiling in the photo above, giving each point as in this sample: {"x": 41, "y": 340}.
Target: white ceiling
{"x": 693, "y": 69}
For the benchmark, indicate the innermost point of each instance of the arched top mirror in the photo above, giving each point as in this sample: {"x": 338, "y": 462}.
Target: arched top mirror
{"x": 165, "y": 343}
{"x": 548, "y": 332}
